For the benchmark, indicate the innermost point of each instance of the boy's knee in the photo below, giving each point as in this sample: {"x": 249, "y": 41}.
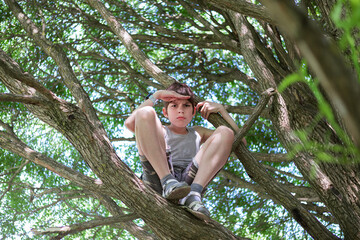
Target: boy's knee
{"x": 146, "y": 113}
{"x": 226, "y": 133}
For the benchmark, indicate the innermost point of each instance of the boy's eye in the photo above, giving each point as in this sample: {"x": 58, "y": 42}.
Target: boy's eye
{"x": 187, "y": 105}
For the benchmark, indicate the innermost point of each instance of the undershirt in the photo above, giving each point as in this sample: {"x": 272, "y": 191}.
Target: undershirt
{"x": 183, "y": 147}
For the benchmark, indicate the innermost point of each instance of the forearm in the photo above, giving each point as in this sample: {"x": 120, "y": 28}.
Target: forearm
{"x": 226, "y": 116}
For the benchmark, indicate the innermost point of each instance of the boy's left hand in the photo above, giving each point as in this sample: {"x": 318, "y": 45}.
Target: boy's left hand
{"x": 206, "y": 108}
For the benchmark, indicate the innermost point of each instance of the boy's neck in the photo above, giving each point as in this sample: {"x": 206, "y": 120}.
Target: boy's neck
{"x": 178, "y": 130}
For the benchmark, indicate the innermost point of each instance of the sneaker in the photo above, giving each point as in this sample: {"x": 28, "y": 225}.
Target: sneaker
{"x": 174, "y": 190}
{"x": 196, "y": 207}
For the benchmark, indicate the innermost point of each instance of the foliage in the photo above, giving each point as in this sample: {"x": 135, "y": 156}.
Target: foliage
{"x": 320, "y": 150}
{"x": 178, "y": 42}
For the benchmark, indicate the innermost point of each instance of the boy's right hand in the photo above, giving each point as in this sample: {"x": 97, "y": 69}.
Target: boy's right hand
{"x": 169, "y": 96}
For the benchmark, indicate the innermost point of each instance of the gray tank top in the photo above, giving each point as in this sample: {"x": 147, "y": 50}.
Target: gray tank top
{"x": 183, "y": 148}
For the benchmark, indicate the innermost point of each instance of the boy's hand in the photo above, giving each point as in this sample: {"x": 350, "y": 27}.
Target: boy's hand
{"x": 169, "y": 96}
{"x": 205, "y": 108}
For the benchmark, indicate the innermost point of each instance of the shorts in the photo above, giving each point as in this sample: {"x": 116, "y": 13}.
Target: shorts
{"x": 151, "y": 179}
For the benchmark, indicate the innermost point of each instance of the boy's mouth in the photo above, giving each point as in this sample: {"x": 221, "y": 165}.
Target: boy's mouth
{"x": 181, "y": 118}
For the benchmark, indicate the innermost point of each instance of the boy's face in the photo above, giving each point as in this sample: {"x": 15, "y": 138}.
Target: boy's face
{"x": 179, "y": 112}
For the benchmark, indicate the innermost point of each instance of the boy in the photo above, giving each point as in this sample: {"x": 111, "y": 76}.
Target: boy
{"x": 171, "y": 155}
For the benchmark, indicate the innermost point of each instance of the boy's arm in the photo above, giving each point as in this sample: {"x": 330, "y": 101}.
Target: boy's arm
{"x": 164, "y": 95}
{"x": 211, "y": 107}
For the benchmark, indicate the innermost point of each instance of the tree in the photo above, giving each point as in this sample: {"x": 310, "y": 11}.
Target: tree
{"x": 71, "y": 71}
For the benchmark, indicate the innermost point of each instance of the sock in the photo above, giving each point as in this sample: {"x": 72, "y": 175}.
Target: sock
{"x": 166, "y": 178}
{"x": 194, "y": 195}
{"x": 195, "y": 187}
{"x": 189, "y": 178}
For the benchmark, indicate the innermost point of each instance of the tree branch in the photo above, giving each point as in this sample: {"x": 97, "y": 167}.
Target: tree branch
{"x": 338, "y": 79}
{"x": 254, "y": 116}
{"x": 231, "y": 43}
{"x": 26, "y": 99}
{"x": 244, "y": 7}
{"x": 75, "y": 228}
{"x": 259, "y": 174}
{"x": 130, "y": 45}
{"x": 11, "y": 143}
{"x": 11, "y": 68}
{"x": 59, "y": 56}
{"x": 13, "y": 177}
{"x": 130, "y": 226}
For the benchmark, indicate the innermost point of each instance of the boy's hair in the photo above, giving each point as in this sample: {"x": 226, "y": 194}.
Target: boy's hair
{"x": 183, "y": 89}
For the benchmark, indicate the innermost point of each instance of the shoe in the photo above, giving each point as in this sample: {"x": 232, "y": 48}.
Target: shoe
{"x": 174, "y": 190}
{"x": 196, "y": 207}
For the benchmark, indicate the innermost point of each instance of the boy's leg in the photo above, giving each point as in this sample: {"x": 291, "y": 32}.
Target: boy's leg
{"x": 151, "y": 144}
{"x": 150, "y": 140}
{"x": 210, "y": 159}
{"x": 213, "y": 155}
{"x": 149, "y": 176}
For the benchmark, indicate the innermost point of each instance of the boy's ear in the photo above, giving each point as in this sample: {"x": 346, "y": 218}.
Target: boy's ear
{"x": 165, "y": 112}
{"x": 194, "y": 111}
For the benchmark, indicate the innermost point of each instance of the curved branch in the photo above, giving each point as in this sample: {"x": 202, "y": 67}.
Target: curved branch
{"x": 13, "y": 144}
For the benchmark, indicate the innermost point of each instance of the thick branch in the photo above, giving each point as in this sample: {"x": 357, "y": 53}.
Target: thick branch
{"x": 325, "y": 60}
{"x": 259, "y": 174}
{"x": 26, "y": 99}
{"x": 59, "y": 56}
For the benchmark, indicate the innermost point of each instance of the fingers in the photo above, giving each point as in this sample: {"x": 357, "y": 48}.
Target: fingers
{"x": 206, "y": 108}
{"x": 199, "y": 105}
{"x": 203, "y": 108}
